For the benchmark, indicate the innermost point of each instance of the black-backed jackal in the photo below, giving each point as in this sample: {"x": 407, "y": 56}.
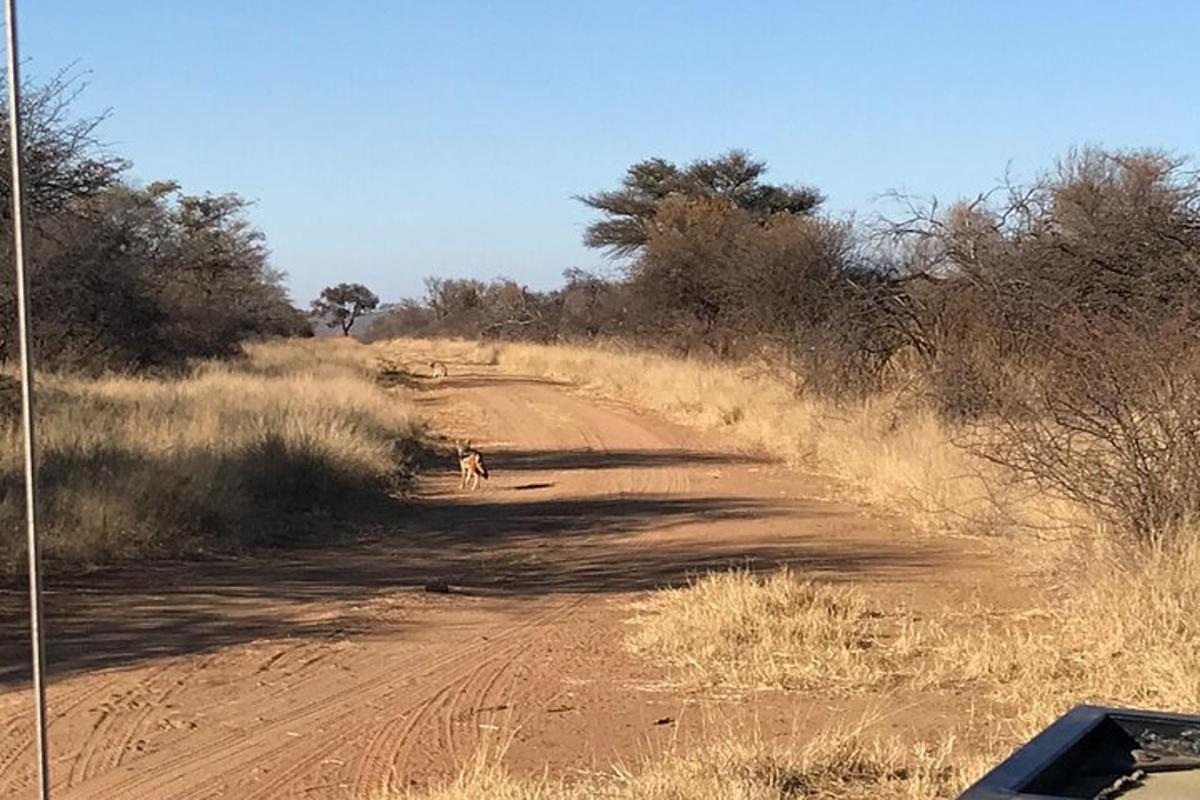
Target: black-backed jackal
{"x": 470, "y": 464}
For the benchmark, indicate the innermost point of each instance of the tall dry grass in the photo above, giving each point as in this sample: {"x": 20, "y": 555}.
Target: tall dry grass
{"x": 256, "y": 450}
{"x": 778, "y": 631}
{"x": 837, "y": 764}
{"x": 1125, "y": 632}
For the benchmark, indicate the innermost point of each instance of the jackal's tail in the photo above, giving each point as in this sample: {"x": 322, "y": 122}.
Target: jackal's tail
{"x": 481, "y": 468}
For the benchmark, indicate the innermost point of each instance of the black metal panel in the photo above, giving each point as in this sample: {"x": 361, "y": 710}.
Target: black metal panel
{"x": 1083, "y": 752}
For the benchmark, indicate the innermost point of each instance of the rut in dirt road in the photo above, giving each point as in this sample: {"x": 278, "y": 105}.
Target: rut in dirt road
{"x": 328, "y": 673}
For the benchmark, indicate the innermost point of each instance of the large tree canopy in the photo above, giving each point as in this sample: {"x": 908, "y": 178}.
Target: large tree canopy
{"x": 630, "y": 211}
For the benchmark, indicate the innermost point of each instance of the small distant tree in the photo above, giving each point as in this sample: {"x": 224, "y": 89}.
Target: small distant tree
{"x": 342, "y": 305}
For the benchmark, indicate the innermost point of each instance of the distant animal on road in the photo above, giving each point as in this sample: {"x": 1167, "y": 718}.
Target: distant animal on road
{"x": 471, "y": 466}
{"x": 438, "y": 369}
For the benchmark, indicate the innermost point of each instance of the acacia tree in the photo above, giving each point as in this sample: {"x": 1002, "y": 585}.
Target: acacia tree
{"x": 342, "y": 305}
{"x": 149, "y": 277}
{"x": 630, "y": 212}
{"x": 63, "y": 164}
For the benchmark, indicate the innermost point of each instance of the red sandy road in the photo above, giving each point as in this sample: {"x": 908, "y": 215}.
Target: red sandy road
{"x": 354, "y": 682}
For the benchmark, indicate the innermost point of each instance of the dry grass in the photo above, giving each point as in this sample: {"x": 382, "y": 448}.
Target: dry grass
{"x": 844, "y": 764}
{"x": 741, "y": 630}
{"x": 237, "y": 453}
{"x": 1125, "y": 632}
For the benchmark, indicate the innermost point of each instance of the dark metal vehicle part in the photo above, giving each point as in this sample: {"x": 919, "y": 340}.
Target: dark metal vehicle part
{"x": 1094, "y": 753}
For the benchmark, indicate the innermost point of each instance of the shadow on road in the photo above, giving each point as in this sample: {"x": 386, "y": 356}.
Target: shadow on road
{"x": 521, "y": 543}
{"x": 479, "y": 380}
{"x": 441, "y": 455}
{"x": 513, "y": 460}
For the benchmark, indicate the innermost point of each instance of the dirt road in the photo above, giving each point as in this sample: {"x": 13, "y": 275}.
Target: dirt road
{"x": 330, "y": 673}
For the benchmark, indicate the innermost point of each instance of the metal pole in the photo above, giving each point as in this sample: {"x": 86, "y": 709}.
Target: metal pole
{"x": 37, "y": 636}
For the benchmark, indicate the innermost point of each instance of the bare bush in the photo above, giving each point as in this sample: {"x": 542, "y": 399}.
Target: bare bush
{"x": 1069, "y": 312}
{"x": 1111, "y": 420}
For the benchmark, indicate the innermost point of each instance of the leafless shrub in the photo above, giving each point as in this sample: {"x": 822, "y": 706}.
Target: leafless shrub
{"x": 1064, "y": 316}
{"x": 1111, "y": 420}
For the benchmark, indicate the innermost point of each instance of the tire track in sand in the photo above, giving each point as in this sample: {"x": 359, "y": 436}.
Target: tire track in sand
{"x": 227, "y": 759}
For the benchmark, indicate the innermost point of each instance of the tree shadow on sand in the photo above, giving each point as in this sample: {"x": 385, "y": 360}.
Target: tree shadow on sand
{"x": 519, "y": 549}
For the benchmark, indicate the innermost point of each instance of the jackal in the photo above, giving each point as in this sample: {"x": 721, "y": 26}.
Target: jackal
{"x": 470, "y": 464}
{"x": 438, "y": 369}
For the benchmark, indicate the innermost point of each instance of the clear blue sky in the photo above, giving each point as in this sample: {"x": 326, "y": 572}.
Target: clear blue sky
{"x": 385, "y": 141}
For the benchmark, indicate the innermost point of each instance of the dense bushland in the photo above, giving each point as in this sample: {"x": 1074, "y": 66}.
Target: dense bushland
{"x": 1053, "y": 325}
{"x": 129, "y": 276}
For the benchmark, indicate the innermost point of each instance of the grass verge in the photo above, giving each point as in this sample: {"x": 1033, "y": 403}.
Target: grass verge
{"x": 261, "y": 450}
{"x": 1122, "y": 634}
{"x": 838, "y": 764}
{"x": 742, "y": 630}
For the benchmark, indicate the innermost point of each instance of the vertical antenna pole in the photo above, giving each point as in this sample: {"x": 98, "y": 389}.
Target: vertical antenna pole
{"x": 37, "y": 636}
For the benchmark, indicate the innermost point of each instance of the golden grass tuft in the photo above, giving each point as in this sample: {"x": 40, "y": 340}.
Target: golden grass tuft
{"x": 845, "y": 764}
{"x": 1125, "y": 632}
{"x": 256, "y": 450}
{"x": 742, "y": 630}
{"x": 841, "y": 764}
